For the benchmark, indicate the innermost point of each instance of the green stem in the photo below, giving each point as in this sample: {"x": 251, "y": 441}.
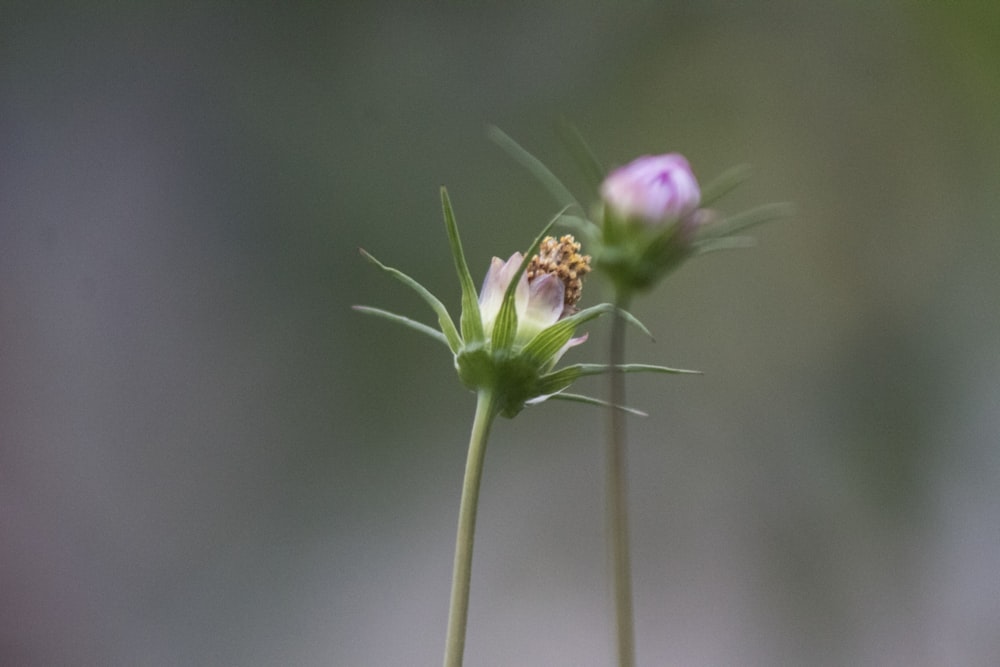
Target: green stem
{"x": 486, "y": 411}
{"x": 617, "y": 506}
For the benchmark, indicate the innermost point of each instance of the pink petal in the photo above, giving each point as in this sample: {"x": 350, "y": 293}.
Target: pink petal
{"x": 654, "y": 188}
{"x": 572, "y": 342}
{"x": 546, "y": 300}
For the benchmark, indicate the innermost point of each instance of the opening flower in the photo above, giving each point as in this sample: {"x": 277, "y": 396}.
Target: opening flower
{"x": 547, "y": 291}
{"x": 653, "y": 189}
{"x": 511, "y": 335}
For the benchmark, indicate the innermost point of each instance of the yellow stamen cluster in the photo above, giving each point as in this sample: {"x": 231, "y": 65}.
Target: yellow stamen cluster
{"x": 562, "y": 259}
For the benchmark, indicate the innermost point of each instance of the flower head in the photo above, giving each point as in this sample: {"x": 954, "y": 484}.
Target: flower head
{"x": 512, "y": 334}
{"x": 653, "y": 188}
{"x": 547, "y": 291}
{"x": 652, "y": 213}
{"x": 650, "y": 220}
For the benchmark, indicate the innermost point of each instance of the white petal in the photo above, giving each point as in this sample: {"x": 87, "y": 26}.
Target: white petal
{"x": 494, "y": 286}
{"x": 539, "y": 399}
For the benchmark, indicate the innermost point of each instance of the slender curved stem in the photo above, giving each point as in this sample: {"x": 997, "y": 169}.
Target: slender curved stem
{"x": 486, "y": 411}
{"x": 617, "y": 499}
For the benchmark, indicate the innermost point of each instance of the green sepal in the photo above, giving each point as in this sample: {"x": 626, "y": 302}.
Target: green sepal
{"x": 600, "y": 369}
{"x": 725, "y": 183}
{"x": 556, "y": 381}
{"x": 723, "y": 243}
{"x": 448, "y": 329}
{"x": 585, "y": 226}
{"x": 405, "y": 321}
{"x": 550, "y": 340}
{"x": 635, "y": 255}
{"x": 590, "y": 400}
{"x": 505, "y": 327}
{"x": 585, "y": 157}
{"x": 511, "y": 377}
{"x": 746, "y": 220}
{"x": 535, "y": 166}
{"x": 471, "y": 321}
{"x": 475, "y": 366}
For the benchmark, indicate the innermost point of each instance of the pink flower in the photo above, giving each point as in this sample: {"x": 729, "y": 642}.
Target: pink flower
{"x": 547, "y": 291}
{"x": 652, "y": 188}
{"x": 539, "y": 302}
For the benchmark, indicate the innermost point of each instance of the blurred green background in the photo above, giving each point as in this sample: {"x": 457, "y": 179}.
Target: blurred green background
{"x": 206, "y": 458}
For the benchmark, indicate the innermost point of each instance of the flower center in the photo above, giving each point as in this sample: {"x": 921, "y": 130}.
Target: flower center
{"x": 562, "y": 259}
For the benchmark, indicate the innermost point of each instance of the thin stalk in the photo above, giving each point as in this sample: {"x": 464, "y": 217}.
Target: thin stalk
{"x": 617, "y": 503}
{"x": 486, "y": 411}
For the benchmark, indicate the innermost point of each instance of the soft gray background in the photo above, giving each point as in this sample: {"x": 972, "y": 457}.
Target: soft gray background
{"x": 206, "y": 458}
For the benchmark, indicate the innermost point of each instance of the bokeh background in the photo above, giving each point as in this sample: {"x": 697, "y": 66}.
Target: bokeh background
{"x": 206, "y": 458}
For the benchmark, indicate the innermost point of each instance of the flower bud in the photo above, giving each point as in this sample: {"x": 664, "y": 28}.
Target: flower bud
{"x": 653, "y": 188}
{"x": 650, "y": 219}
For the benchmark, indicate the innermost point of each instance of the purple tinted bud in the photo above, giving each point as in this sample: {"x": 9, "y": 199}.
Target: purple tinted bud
{"x": 652, "y": 188}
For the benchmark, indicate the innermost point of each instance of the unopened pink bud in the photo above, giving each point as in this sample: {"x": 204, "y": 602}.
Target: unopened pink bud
{"x": 652, "y": 188}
